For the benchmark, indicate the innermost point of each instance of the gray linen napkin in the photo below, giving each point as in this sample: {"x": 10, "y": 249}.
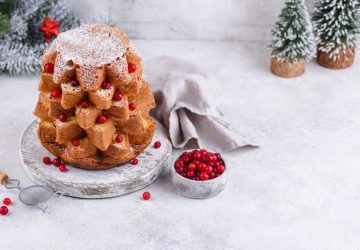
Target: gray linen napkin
{"x": 185, "y": 105}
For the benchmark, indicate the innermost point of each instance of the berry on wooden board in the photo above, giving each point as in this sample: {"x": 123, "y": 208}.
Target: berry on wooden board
{"x": 57, "y": 162}
{"x": 46, "y": 160}
{"x": 134, "y": 161}
{"x": 62, "y": 168}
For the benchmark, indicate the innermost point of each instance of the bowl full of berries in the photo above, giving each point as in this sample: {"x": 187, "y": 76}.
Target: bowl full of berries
{"x": 199, "y": 174}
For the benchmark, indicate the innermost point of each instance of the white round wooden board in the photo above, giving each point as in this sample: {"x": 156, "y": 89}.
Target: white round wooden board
{"x": 81, "y": 183}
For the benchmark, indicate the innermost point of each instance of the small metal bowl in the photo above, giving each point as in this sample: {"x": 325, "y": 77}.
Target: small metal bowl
{"x": 198, "y": 189}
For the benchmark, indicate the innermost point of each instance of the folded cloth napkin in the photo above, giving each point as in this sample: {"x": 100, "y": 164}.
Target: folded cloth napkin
{"x": 185, "y": 105}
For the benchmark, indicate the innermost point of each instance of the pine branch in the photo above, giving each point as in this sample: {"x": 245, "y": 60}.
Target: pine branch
{"x": 4, "y": 24}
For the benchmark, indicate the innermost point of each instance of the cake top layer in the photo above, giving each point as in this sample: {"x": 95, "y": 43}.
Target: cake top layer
{"x": 92, "y": 44}
{"x": 88, "y": 48}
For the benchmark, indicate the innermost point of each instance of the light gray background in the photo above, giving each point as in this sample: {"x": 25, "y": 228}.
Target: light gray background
{"x": 248, "y": 20}
{"x": 299, "y": 190}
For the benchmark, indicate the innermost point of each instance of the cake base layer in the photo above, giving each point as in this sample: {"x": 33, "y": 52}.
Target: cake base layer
{"x": 81, "y": 183}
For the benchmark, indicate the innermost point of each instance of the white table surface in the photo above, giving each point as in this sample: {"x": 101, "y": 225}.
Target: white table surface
{"x": 299, "y": 190}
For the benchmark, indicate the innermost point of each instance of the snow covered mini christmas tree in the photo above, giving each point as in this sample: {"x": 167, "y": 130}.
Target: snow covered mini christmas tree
{"x": 292, "y": 40}
{"x": 335, "y": 25}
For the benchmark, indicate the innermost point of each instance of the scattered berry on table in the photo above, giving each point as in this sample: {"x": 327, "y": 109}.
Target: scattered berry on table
{"x": 7, "y": 201}
{"x": 157, "y": 144}
{"x": 146, "y": 196}
{"x": 4, "y": 210}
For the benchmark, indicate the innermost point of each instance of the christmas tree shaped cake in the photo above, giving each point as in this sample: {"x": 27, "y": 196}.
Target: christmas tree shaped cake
{"x": 292, "y": 40}
{"x": 93, "y": 104}
{"x": 336, "y": 26}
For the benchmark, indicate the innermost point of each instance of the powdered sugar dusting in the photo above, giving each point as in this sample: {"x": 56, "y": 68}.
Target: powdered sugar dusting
{"x": 89, "y": 47}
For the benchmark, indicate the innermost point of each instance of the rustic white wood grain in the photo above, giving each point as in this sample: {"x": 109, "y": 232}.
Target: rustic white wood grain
{"x": 82, "y": 183}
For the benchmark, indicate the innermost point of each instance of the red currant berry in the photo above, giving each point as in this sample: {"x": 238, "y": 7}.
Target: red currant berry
{"x": 62, "y": 168}
{"x": 49, "y": 68}
{"x": 63, "y": 118}
{"x": 211, "y": 158}
{"x": 75, "y": 143}
{"x": 220, "y": 169}
{"x": 211, "y": 175}
{"x": 196, "y": 156}
{"x": 179, "y": 164}
{"x": 132, "y": 106}
{"x": 56, "y": 93}
{"x": 84, "y": 104}
{"x": 7, "y": 201}
{"x": 106, "y": 85}
{"x": 57, "y": 162}
{"x": 186, "y": 160}
{"x": 134, "y": 161}
{"x": 202, "y": 167}
{"x": 75, "y": 83}
{"x": 209, "y": 169}
{"x": 203, "y": 176}
{"x": 117, "y": 96}
{"x": 146, "y": 196}
{"x": 46, "y": 160}
{"x": 101, "y": 119}
{"x": 4, "y": 210}
{"x": 131, "y": 67}
{"x": 190, "y": 174}
{"x": 218, "y": 156}
{"x": 157, "y": 144}
{"x": 196, "y": 162}
{"x": 119, "y": 139}
{"x": 203, "y": 152}
{"x": 192, "y": 167}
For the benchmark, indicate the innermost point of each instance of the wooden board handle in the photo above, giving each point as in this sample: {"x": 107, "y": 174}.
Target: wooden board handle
{"x": 3, "y": 177}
